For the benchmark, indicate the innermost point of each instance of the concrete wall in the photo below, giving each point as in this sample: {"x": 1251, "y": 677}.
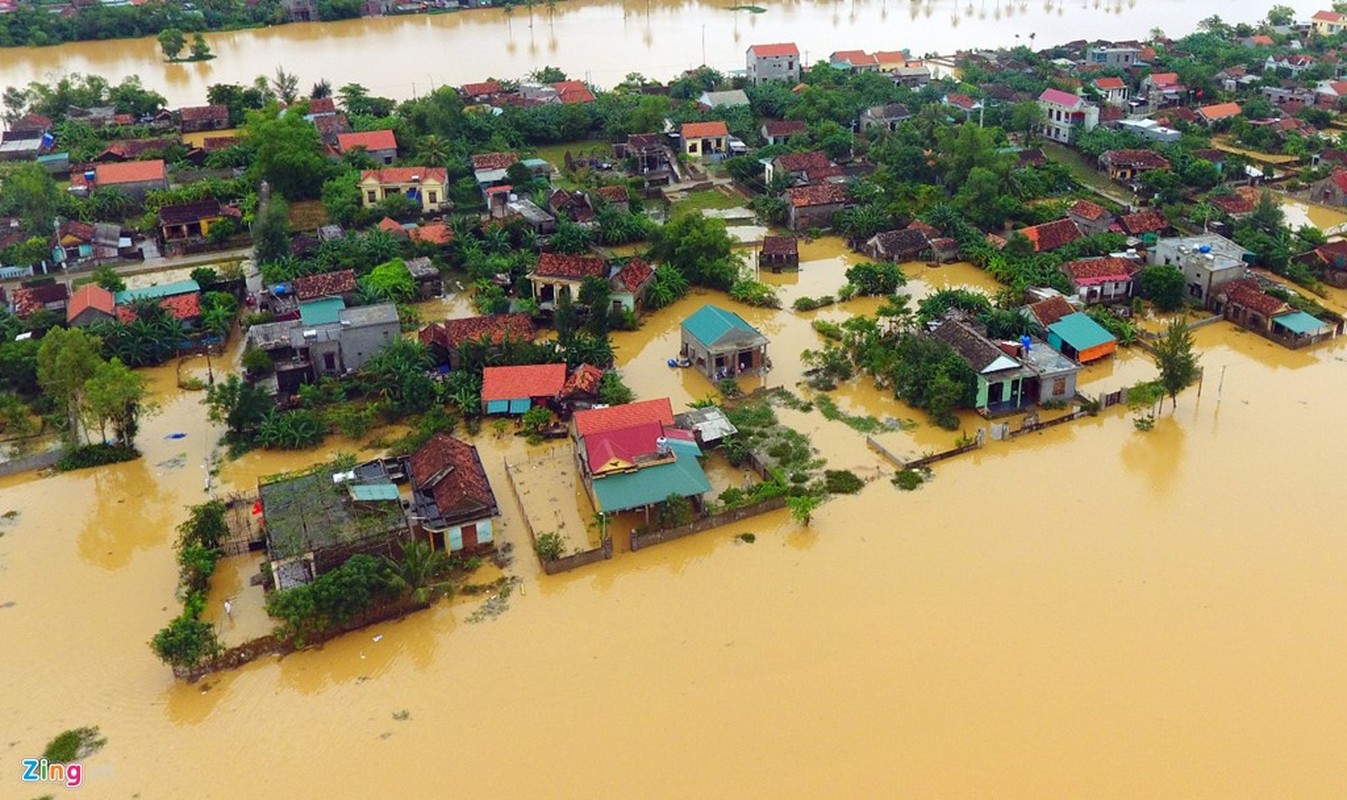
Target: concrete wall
{"x": 773, "y": 68}
{"x": 35, "y": 461}
{"x": 639, "y": 540}
{"x": 359, "y": 343}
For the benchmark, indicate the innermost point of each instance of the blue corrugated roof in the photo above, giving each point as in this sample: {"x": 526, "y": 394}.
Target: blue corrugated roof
{"x": 1081, "y": 332}
{"x": 155, "y": 292}
{"x": 627, "y": 490}
{"x": 1300, "y": 322}
{"x": 708, "y": 323}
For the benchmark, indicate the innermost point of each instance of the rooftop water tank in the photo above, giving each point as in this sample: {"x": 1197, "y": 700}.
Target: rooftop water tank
{"x": 1025, "y": 341}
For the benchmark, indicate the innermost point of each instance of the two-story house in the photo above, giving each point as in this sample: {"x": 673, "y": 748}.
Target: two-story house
{"x": 1065, "y": 115}
{"x": 774, "y": 62}
{"x": 423, "y": 185}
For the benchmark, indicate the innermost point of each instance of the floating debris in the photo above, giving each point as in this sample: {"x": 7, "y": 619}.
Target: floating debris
{"x": 402, "y": 716}
{"x": 498, "y": 603}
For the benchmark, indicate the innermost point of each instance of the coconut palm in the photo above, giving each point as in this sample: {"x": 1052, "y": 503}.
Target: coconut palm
{"x": 418, "y": 573}
{"x": 434, "y": 150}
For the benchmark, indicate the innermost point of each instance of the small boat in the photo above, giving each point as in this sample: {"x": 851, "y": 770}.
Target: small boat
{"x": 680, "y": 362}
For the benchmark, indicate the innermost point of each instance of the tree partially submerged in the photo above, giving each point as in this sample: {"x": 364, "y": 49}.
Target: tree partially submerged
{"x": 1177, "y": 362}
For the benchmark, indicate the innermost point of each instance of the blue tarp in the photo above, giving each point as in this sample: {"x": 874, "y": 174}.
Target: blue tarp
{"x": 1300, "y": 322}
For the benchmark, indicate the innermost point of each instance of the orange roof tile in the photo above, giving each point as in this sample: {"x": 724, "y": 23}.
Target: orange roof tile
{"x": 531, "y": 380}
{"x": 775, "y": 50}
{"x": 90, "y": 295}
{"x": 704, "y": 130}
{"x": 405, "y": 174}
{"x": 614, "y": 418}
{"x": 370, "y": 140}
{"x": 116, "y": 173}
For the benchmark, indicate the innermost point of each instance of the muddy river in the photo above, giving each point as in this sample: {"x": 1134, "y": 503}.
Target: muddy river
{"x": 405, "y": 56}
{"x": 1088, "y": 611}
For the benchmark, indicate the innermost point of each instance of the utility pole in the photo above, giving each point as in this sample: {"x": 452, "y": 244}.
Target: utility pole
{"x": 703, "y": 45}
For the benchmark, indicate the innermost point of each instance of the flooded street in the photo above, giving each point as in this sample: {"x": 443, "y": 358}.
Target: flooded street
{"x": 1086, "y": 611}
{"x": 658, "y": 38}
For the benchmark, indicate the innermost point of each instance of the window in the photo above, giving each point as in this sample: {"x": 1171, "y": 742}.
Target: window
{"x": 330, "y": 362}
{"x": 1058, "y": 387}
{"x": 371, "y": 196}
{"x": 433, "y": 196}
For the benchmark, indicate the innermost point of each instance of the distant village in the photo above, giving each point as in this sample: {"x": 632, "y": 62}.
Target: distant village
{"x": 1120, "y": 193}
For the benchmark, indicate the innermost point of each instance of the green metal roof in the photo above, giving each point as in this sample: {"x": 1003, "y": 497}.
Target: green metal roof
{"x": 683, "y": 448}
{"x": 324, "y": 311}
{"x": 155, "y": 292}
{"x": 372, "y": 492}
{"x": 1081, "y": 332}
{"x": 1300, "y": 322}
{"x": 628, "y": 490}
{"x": 709, "y": 323}
{"x": 531, "y": 163}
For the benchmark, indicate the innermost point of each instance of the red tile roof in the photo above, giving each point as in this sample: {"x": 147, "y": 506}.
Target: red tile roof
{"x": 1243, "y": 201}
{"x": 1135, "y": 159}
{"x": 480, "y": 89}
{"x": 179, "y": 306}
{"x": 199, "y": 113}
{"x": 1141, "y": 222}
{"x": 322, "y": 105}
{"x": 1109, "y": 83}
{"x": 572, "y": 92}
{"x": 961, "y": 101}
{"x": 405, "y": 174}
{"x": 784, "y": 127}
{"x": 820, "y": 194}
{"x": 494, "y": 160}
{"x": 803, "y": 162}
{"x": 634, "y": 274}
{"x": 434, "y": 233}
{"x": 585, "y": 380}
{"x": 703, "y": 130}
{"x": 1087, "y": 210}
{"x": 325, "y": 284}
{"x": 1060, "y": 98}
{"x": 780, "y": 245}
{"x": 1052, "y": 235}
{"x": 855, "y": 58}
{"x": 1162, "y": 79}
{"x": 1328, "y": 16}
{"x": 614, "y": 193}
{"x": 531, "y": 380}
{"x": 1049, "y": 311}
{"x": 774, "y": 50}
{"x": 450, "y": 471}
{"x": 598, "y": 420}
{"x": 1087, "y": 271}
{"x": 370, "y": 140}
{"x": 1246, "y": 292}
{"x": 495, "y": 328}
{"x": 1219, "y": 111}
{"x": 29, "y": 300}
{"x": 1261, "y": 39}
{"x": 90, "y": 295}
{"x": 556, "y": 265}
{"x": 118, "y": 173}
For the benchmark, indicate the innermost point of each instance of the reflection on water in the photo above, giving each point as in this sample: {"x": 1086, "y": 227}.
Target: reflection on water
{"x": 659, "y": 38}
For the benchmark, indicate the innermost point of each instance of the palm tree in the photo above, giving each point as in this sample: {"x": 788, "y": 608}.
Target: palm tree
{"x": 508, "y": 11}
{"x": 417, "y": 575}
{"x": 551, "y": 11}
{"x": 434, "y": 150}
{"x": 530, "y": 4}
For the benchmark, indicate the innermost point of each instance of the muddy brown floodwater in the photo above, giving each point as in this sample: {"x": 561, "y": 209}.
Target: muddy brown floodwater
{"x": 1088, "y": 611}
{"x": 659, "y": 38}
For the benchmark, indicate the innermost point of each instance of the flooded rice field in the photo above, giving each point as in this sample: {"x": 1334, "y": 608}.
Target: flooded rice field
{"x": 1087, "y": 610}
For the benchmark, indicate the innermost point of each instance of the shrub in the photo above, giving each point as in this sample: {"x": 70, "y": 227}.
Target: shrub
{"x": 549, "y": 546}
{"x": 186, "y": 642}
{"x": 74, "y": 745}
{"x": 256, "y": 361}
{"x": 908, "y": 479}
{"x": 292, "y": 430}
{"x": 841, "y": 481}
{"x": 96, "y": 455}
